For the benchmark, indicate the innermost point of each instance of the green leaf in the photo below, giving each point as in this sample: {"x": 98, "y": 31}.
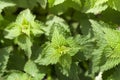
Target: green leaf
{"x": 25, "y": 17}
{"x": 4, "y": 4}
{"x": 31, "y": 68}
{"x": 37, "y": 28}
{"x": 12, "y": 31}
{"x": 116, "y": 73}
{"x": 48, "y": 56}
{"x": 64, "y": 6}
{"x": 55, "y": 21}
{"x": 56, "y": 2}
{"x": 22, "y": 29}
{"x": 51, "y": 2}
{"x": 52, "y": 51}
{"x": 43, "y": 3}
{"x": 95, "y": 6}
{"x": 112, "y": 74}
{"x": 25, "y": 3}
{"x": 65, "y": 63}
{"x": 114, "y": 4}
{"x": 110, "y": 37}
{"x": 59, "y": 46}
{"x": 62, "y": 45}
{"x": 57, "y": 39}
{"x": 76, "y": 4}
{"x": 74, "y": 45}
{"x": 39, "y": 76}
{"x": 113, "y": 40}
{"x": 97, "y": 59}
{"x": 24, "y": 20}
{"x": 24, "y": 43}
{"x": 18, "y": 76}
{"x": 73, "y": 72}
{"x": 17, "y": 60}
{"x": 25, "y": 24}
{"x": 4, "y": 58}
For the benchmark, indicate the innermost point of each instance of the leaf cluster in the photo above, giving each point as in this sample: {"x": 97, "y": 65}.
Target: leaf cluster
{"x": 59, "y": 40}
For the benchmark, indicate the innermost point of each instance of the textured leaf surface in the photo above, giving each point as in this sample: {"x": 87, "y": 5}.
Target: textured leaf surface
{"x": 95, "y": 6}
{"x": 12, "y": 32}
{"x": 31, "y": 68}
{"x": 66, "y": 5}
{"x": 48, "y": 56}
{"x": 111, "y": 39}
{"x": 59, "y": 39}
{"x": 114, "y": 4}
{"x": 19, "y": 76}
{"x": 56, "y": 2}
{"x": 24, "y": 43}
{"x": 4, "y": 57}
{"x": 65, "y": 62}
{"x": 25, "y": 24}
{"x": 59, "y": 46}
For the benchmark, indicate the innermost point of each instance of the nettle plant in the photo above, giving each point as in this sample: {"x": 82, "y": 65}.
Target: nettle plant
{"x": 59, "y": 40}
{"x": 22, "y": 30}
